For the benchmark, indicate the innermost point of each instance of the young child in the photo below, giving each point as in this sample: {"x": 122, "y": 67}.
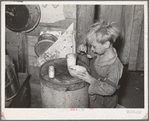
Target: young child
{"x": 106, "y": 69}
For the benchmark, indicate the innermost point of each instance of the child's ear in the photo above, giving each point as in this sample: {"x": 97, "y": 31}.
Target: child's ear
{"x": 107, "y": 44}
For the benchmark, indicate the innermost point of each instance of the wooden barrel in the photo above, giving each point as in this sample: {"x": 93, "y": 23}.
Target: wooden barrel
{"x": 63, "y": 91}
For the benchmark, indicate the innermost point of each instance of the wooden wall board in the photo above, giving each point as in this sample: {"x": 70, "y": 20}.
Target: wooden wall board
{"x": 135, "y": 38}
{"x": 32, "y": 40}
{"x": 85, "y": 18}
{"x": 32, "y": 57}
{"x": 115, "y": 14}
{"x": 32, "y": 60}
{"x": 31, "y": 51}
{"x": 11, "y": 47}
{"x": 45, "y": 27}
{"x": 140, "y": 58}
{"x": 104, "y": 12}
{"x": 111, "y": 14}
{"x": 35, "y": 79}
{"x": 16, "y": 48}
{"x": 34, "y": 71}
{"x": 64, "y": 24}
{"x": 11, "y": 37}
{"x": 25, "y": 54}
{"x": 128, "y": 15}
{"x": 21, "y": 52}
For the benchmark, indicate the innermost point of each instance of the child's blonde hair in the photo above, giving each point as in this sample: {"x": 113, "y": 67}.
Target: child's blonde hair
{"x": 102, "y": 32}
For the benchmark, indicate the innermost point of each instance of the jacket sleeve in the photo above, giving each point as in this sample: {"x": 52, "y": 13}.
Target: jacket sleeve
{"x": 102, "y": 87}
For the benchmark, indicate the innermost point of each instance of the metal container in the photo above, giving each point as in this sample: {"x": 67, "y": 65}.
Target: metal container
{"x": 11, "y": 80}
{"x": 21, "y": 18}
{"x": 63, "y": 91}
{"x": 44, "y": 42}
{"x": 51, "y": 72}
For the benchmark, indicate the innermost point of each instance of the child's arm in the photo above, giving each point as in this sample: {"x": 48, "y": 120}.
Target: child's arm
{"x": 82, "y": 59}
{"x": 82, "y": 56}
{"x": 96, "y": 85}
{"x": 103, "y": 86}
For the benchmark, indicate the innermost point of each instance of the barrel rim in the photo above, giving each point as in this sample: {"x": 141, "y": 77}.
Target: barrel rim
{"x": 66, "y": 87}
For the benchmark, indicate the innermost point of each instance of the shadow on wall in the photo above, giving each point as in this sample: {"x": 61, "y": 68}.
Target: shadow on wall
{"x": 96, "y": 15}
{"x": 118, "y": 45}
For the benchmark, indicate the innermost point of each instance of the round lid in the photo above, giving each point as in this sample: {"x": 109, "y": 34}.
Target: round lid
{"x": 63, "y": 80}
{"x": 22, "y": 17}
{"x": 44, "y": 42}
{"x": 47, "y": 36}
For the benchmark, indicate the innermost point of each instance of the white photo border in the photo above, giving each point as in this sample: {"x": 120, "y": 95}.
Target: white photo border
{"x": 80, "y": 114}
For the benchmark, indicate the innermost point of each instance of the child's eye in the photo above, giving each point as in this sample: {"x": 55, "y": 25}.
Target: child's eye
{"x": 94, "y": 47}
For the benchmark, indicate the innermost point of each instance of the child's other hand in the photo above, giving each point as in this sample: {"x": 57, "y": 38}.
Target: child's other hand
{"x": 85, "y": 76}
{"x": 72, "y": 71}
{"x": 80, "y": 72}
{"x": 82, "y": 48}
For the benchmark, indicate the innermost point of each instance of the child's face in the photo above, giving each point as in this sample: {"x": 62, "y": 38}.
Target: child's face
{"x": 98, "y": 48}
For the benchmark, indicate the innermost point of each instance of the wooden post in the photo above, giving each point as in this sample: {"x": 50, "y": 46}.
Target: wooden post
{"x": 22, "y": 52}
{"x": 135, "y": 38}
{"x": 111, "y": 13}
{"x": 25, "y": 43}
{"x": 140, "y": 59}
{"x": 85, "y": 18}
{"x": 128, "y": 15}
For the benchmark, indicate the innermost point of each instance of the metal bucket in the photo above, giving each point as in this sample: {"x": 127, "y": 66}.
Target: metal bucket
{"x": 11, "y": 80}
{"x": 11, "y": 83}
{"x": 44, "y": 42}
{"x": 63, "y": 91}
{"x": 22, "y": 17}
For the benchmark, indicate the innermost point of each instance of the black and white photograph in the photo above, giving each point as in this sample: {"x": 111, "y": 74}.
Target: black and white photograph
{"x": 74, "y": 60}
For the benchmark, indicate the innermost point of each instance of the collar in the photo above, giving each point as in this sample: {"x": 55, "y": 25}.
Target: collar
{"x": 109, "y": 62}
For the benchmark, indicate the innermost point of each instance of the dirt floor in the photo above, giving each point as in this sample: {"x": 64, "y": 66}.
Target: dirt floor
{"x": 131, "y": 93}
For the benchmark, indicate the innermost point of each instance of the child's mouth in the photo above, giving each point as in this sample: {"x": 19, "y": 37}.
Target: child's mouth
{"x": 95, "y": 53}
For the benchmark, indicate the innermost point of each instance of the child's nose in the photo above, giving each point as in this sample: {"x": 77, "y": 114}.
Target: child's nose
{"x": 92, "y": 48}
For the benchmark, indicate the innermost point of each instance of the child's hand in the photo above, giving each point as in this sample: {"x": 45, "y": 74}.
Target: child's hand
{"x": 85, "y": 76}
{"x": 82, "y": 48}
{"x": 80, "y": 72}
{"x": 72, "y": 71}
